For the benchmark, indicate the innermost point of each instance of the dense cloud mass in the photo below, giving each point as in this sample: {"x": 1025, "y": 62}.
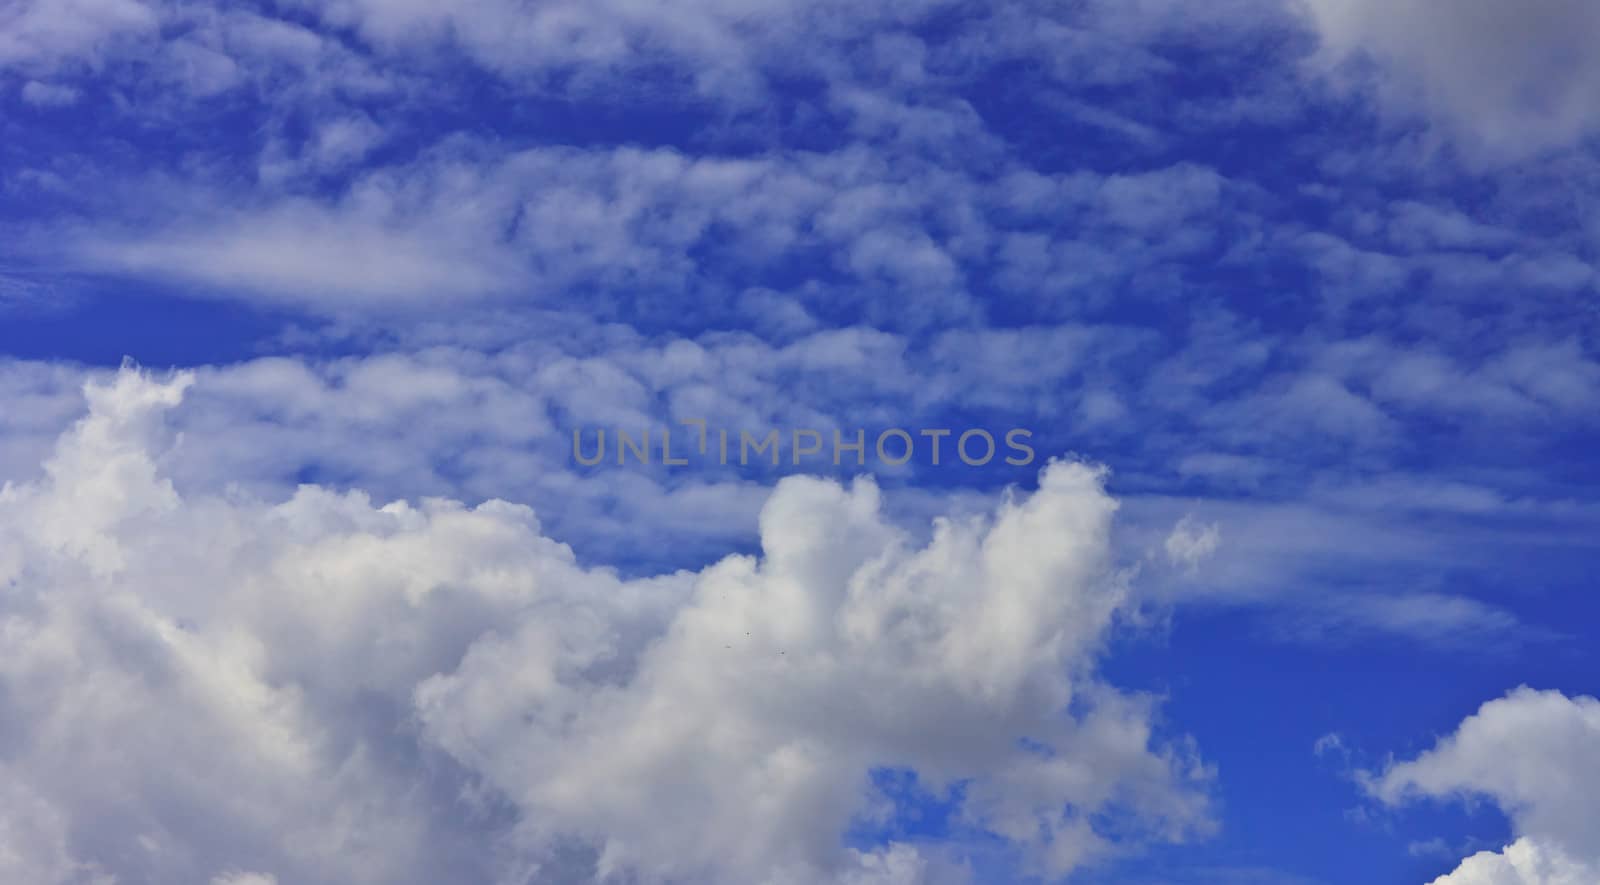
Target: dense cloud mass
{"x": 326, "y": 690}
{"x": 1523, "y": 862}
{"x": 1536, "y": 755}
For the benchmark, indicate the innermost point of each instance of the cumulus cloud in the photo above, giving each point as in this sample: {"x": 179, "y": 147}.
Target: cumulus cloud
{"x": 1523, "y": 862}
{"x": 322, "y": 689}
{"x": 1536, "y": 755}
{"x": 1508, "y": 80}
{"x": 447, "y": 421}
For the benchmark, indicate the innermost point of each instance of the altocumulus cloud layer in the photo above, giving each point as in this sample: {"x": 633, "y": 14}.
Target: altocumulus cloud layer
{"x": 211, "y": 687}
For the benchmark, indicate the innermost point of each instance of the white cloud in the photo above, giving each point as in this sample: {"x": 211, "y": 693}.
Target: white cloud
{"x": 1329, "y": 743}
{"x": 1506, "y": 80}
{"x": 1192, "y": 542}
{"x": 721, "y": 48}
{"x": 1437, "y": 619}
{"x": 466, "y": 220}
{"x": 324, "y": 690}
{"x": 244, "y": 879}
{"x": 1523, "y": 862}
{"x": 1536, "y": 754}
{"x": 299, "y": 251}
{"x": 41, "y": 34}
{"x": 49, "y": 95}
{"x": 450, "y": 422}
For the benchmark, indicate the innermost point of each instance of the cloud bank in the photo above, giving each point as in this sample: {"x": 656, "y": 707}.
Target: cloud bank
{"x": 211, "y": 687}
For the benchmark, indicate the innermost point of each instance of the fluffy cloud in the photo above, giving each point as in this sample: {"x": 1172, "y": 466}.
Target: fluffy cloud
{"x": 325, "y": 690}
{"x": 1507, "y": 79}
{"x": 1535, "y": 754}
{"x": 1523, "y": 862}
{"x": 446, "y": 421}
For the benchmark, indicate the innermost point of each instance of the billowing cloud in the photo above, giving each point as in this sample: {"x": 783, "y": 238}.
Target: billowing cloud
{"x": 1536, "y": 755}
{"x": 446, "y": 421}
{"x": 1523, "y": 862}
{"x": 210, "y": 687}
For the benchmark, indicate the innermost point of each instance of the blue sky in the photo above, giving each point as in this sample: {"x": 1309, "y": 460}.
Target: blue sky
{"x": 301, "y": 304}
